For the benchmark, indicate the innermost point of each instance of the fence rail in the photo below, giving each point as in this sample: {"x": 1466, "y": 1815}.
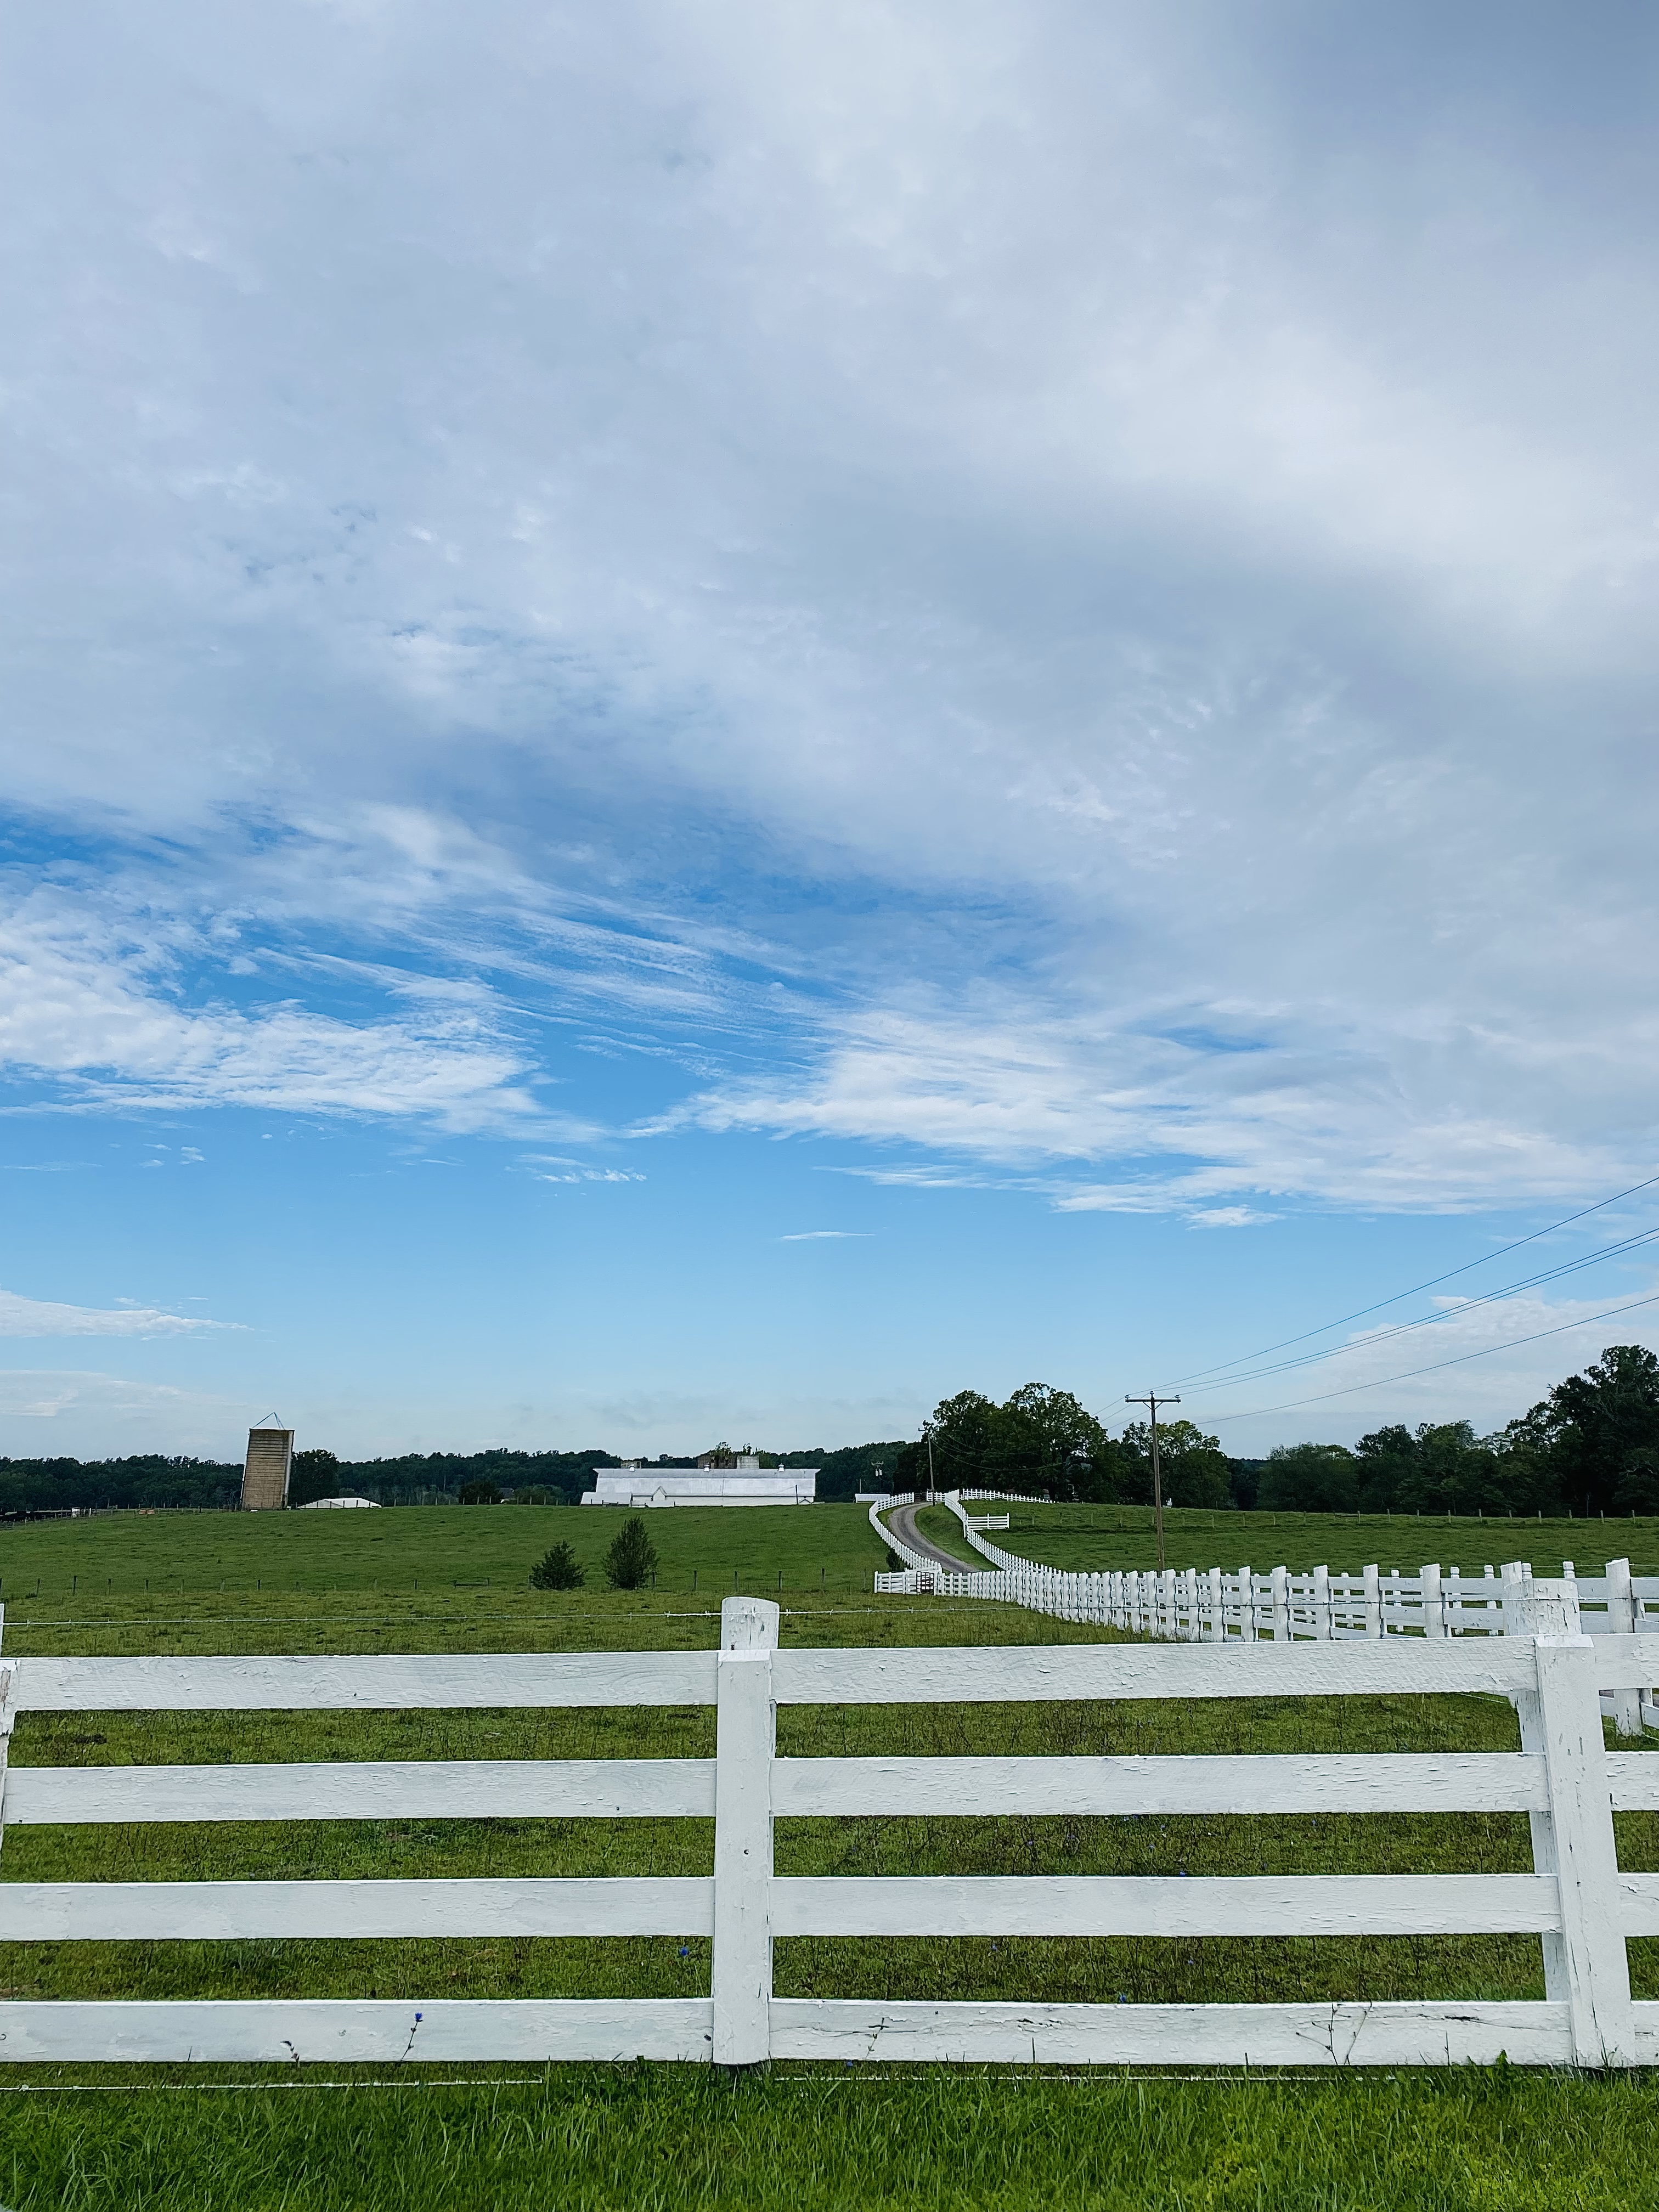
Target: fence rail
{"x": 1576, "y": 1902}
{"x": 1217, "y": 1605}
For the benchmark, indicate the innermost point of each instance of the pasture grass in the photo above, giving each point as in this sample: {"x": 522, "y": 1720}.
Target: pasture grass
{"x": 430, "y": 1550}
{"x": 678, "y": 2139}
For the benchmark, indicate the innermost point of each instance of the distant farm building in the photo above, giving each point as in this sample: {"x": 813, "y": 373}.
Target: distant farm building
{"x": 736, "y": 1480}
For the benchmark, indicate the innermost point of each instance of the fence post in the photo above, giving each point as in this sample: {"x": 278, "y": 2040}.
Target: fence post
{"x": 1433, "y": 1620}
{"x": 1373, "y": 1602}
{"x": 744, "y": 1741}
{"x": 1323, "y": 1625}
{"x": 1621, "y": 1621}
{"x": 1562, "y": 1718}
{"x": 8, "y": 1714}
{"x": 1518, "y": 1612}
{"x": 1246, "y": 1605}
{"x": 1278, "y": 1582}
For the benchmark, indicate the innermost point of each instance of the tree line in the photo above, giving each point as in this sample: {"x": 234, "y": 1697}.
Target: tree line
{"x": 1590, "y": 1446}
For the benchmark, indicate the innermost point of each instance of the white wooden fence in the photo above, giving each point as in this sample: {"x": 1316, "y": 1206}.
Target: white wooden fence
{"x": 1217, "y": 1605}
{"x": 1577, "y": 1901}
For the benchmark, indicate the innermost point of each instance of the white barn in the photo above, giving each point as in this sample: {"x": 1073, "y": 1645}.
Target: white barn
{"x": 746, "y": 1484}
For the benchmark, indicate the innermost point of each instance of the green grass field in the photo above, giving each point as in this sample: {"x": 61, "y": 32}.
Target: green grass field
{"x": 436, "y": 1549}
{"x": 437, "y": 1579}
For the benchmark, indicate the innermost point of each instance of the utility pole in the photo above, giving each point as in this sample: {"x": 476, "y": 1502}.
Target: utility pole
{"x": 1152, "y": 1399}
{"x": 929, "y": 1434}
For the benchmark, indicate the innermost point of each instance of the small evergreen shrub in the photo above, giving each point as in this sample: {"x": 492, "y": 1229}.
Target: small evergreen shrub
{"x": 632, "y": 1560}
{"x": 557, "y": 1569}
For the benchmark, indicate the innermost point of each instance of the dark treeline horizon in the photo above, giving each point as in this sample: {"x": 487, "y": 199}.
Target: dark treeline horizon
{"x": 1592, "y": 1445}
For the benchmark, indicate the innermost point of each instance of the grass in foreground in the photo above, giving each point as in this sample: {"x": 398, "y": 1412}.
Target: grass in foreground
{"x": 656, "y": 2139}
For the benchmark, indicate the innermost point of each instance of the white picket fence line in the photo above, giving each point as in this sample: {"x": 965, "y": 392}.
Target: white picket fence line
{"x": 883, "y": 1499}
{"x": 1194, "y": 1605}
{"x": 1576, "y": 1900}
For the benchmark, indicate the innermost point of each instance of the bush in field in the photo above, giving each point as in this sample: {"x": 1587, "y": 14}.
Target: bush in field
{"x": 632, "y": 1560}
{"x": 480, "y": 1493}
{"x": 557, "y": 1569}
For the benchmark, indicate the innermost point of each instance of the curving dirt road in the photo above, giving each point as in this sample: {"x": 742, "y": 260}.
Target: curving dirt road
{"x": 903, "y": 1521}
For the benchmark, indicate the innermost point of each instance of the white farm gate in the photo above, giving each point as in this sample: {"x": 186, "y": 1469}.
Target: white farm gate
{"x": 1576, "y": 1901}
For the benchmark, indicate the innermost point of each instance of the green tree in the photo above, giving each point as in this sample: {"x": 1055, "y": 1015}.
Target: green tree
{"x": 1451, "y": 1470}
{"x": 1193, "y": 1467}
{"x": 312, "y": 1474}
{"x": 480, "y": 1493}
{"x": 1525, "y": 1450}
{"x": 632, "y": 1559}
{"x": 1043, "y": 1438}
{"x": 1244, "y": 1482}
{"x": 1602, "y": 1428}
{"x": 1387, "y": 1466}
{"x": 1309, "y": 1479}
{"x": 557, "y": 1569}
{"x": 964, "y": 1434}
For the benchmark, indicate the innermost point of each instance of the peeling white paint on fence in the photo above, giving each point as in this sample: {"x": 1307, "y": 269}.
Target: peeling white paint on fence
{"x": 1576, "y": 1902}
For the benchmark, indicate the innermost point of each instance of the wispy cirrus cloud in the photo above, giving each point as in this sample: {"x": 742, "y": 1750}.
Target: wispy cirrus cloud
{"x": 1062, "y": 528}
{"x": 24, "y": 1316}
{"x": 1026, "y": 1089}
{"x": 98, "y": 1005}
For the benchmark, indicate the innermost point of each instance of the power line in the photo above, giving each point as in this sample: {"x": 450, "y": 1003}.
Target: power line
{"x": 1451, "y": 1313}
{"x": 1601, "y": 1205}
{"x": 1381, "y": 1382}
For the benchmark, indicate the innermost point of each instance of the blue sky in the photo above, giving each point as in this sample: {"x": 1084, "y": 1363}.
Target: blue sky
{"x": 720, "y": 717}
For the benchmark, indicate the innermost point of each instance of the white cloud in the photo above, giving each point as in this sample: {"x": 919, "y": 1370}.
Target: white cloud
{"x": 1490, "y": 1361}
{"x": 818, "y": 1236}
{"x": 1009, "y": 1079}
{"x": 1035, "y": 476}
{"x": 586, "y": 1174}
{"x": 84, "y": 1000}
{"x": 22, "y": 1316}
{"x": 49, "y": 1394}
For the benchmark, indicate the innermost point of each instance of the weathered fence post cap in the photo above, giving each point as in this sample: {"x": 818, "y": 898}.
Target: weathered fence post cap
{"x": 1547, "y": 1610}
{"x": 749, "y": 1624}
